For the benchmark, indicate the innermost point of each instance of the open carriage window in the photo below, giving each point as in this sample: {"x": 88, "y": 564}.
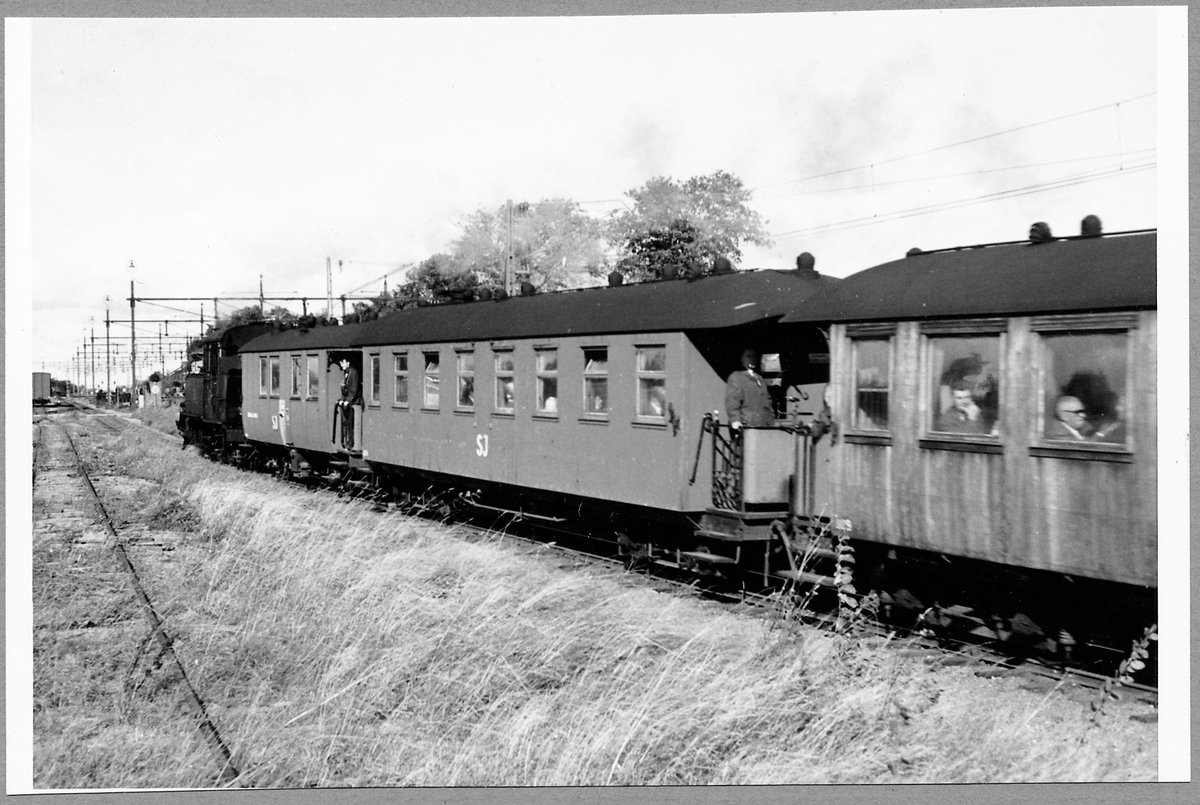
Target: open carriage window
{"x": 275, "y": 378}
{"x": 547, "y": 381}
{"x": 314, "y": 376}
{"x": 652, "y": 381}
{"x": 595, "y": 380}
{"x": 1084, "y": 392}
{"x": 466, "y": 379}
{"x": 263, "y": 375}
{"x": 964, "y": 374}
{"x": 432, "y": 379}
{"x": 505, "y": 382}
{"x": 373, "y": 367}
{"x": 297, "y": 376}
{"x": 400, "y": 371}
{"x": 872, "y": 382}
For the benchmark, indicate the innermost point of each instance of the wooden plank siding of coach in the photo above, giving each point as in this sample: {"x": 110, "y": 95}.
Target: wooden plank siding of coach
{"x": 1019, "y": 501}
{"x": 1015, "y": 499}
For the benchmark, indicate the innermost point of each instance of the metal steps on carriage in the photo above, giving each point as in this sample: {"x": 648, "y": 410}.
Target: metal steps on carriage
{"x": 730, "y": 529}
{"x": 811, "y": 553}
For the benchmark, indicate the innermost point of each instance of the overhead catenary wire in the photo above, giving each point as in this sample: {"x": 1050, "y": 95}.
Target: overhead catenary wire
{"x": 956, "y": 144}
{"x": 957, "y": 203}
{"x": 961, "y": 175}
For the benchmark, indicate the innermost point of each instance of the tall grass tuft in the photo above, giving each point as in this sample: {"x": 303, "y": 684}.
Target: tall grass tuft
{"x": 339, "y": 646}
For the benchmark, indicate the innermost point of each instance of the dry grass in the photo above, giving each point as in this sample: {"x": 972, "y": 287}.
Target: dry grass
{"x": 337, "y": 646}
{"x": 162, "y": 419}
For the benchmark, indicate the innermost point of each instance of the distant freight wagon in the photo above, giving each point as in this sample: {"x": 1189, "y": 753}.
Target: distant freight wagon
{"x": 41, "y": 388}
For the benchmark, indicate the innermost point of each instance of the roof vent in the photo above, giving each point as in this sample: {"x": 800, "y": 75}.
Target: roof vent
{"x": 913, "y": 252}
{"x": 722, "y": 266}
{"x": 527, "y": 288}
{"x": 1040, "y": 233}
{"x": 670, "y": 272}
{"x": 1090, "y": 227}
{"x": 806, "y": 265}
{"x": 500, "y": 295}
{"x": 615, "y": 278}
{"x": 485, "y": 294}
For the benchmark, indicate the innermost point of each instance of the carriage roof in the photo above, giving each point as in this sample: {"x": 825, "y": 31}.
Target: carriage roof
{"x": 1068, "y": 275}
{"x": 306, "y": 338}
{"x": 717, "y": 301}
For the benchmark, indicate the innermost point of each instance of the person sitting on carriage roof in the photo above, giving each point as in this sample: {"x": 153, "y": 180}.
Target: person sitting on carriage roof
{"x": 747, "y": 401}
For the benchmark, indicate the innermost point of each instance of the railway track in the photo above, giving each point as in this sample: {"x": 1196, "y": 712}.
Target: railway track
{"x": 77, "y": 522}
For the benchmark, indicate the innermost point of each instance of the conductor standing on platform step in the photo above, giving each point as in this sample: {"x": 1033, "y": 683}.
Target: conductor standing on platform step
{"x": 747, "y": 400}
{"x": 351, "y": 396}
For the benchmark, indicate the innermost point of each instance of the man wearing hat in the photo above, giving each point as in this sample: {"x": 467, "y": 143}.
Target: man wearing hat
{"x": 747, "y": 400}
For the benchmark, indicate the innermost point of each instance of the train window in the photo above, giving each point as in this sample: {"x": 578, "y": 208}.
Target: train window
{"x": 1085, "y": 376}
{"x": 466, "y": 379}
{"x": 595, "y": 380}
{"x": 314, "y": 376}
{"x": 652, "y": 381}
{"x": 505, "y": 383}
{"x": 263, "y": 375}
{"x": 297, "y": 376}
{"x": 872, "y": 382}
{"x": 547, "y": 381}
{"x": 432, "y": 370}
{"x": 964, "y": 376}
{"x": 400, "y": 369}
{"x": 373, "y": 368}
{"x": 275, "y": 381}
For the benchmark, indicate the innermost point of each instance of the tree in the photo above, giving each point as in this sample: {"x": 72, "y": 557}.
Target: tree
{"x": 555, "y": 245}
{"x": 253, "y": 313}
{"x": 438, "y": 279}
{"x": 687, "y": 224}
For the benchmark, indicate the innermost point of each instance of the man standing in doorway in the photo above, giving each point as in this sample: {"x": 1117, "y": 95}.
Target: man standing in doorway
{"x": 351, "y": 396}
{"x": 747, "y": 400}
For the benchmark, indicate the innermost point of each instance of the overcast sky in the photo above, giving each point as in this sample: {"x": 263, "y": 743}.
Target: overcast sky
{"x": 210, "y": 152}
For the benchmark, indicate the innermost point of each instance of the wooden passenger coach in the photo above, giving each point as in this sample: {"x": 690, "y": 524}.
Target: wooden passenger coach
{"x": 950, "y": 371}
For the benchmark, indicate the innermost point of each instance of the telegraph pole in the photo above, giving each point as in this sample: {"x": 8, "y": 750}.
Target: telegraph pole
{"x": 329, "y": 287}
{"x": 133, "y": 340}
{"x": 92, "y": 320}
{"x": 508, "y": 284}
{"x": 107, "y": 347}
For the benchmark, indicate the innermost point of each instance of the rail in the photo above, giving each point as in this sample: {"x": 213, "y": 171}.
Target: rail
{"x": 228, "y": 773}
